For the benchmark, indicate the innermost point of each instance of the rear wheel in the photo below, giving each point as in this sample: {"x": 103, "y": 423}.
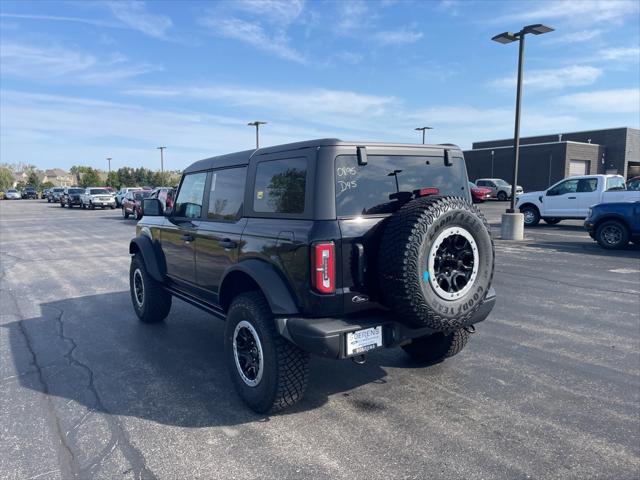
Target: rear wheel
{"x": 502, "y": 196}
{"x": 531, "y": 215}
{"x": 268, "y": 371}
{"x": 612, "y": 234}
{"x": 552, "y": 220}
{"x": 125, "y": 214}
{"x": 437, "y": 347}
{"x": 150, "y": 301}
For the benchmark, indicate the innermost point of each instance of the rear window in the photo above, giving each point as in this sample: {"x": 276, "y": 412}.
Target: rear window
{"x": 280, "y": 186}
{"x": 141, "y": 195}
{"x": 98, "y": 191}
{"x": 76, "y": 190}
{"x": 366, "y": 190}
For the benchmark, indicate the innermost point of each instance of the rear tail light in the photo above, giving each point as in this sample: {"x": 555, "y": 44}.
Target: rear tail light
{"x": 323, "y": 262}
{"x": 425, "y": 192}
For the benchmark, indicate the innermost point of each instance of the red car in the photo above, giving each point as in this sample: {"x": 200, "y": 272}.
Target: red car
{"x": 132, "y": 203}
{"x": 479, "y": 194}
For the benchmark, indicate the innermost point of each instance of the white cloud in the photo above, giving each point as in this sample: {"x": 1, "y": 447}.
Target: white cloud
{"x": 585, "y": 12}
{"x": 552, "y": 79}
{"x": 135, "y": 16}
{"x": 620, "y": 53}
{"x": 578, "y": 36}
{"x": 255, "y": 35}
{"x": 604, "y": 101}
{"x": 400, "y": 36}
{"x": 59, "y": 18}
{"x": 55, "y": 63}
{"x": 280, "y": 12}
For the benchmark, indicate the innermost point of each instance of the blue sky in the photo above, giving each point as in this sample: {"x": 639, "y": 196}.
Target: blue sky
{"x": 81, "y": 81}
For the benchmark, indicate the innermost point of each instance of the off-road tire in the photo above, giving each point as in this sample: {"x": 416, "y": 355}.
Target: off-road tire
{"x": 61, "y": 205}
{"x": 531, "y": 215}
{"x": 405, "y": 281}
{"x": 502, "y": 196}
{"x": 156, "y": 302}
{"x": 125, "y": 214}
{"x": 286, "y": 367}
{"x": 606, "y": 243}
{"x": 552, "y": 220}
{"x": 437, "y": 347}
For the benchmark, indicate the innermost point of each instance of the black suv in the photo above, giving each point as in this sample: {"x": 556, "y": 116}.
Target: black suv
{"x": 71, "y": 196}
{"x": 325, "y": 247}
{"x": 29, "y": 192}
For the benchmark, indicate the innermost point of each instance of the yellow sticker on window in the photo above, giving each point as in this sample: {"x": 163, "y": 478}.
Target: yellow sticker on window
{"x": 260, "y": 194}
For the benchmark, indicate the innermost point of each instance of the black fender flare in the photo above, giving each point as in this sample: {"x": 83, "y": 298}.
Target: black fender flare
{"x": 278, "y": 294}
{"x": 145, "y": 247}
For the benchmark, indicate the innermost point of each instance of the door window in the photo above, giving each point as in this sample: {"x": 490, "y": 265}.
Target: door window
{"x": 280, "y": 186}
{"x": 586, "y": 185}
{"x": 227, "y": 194}
{"x": 189, "y": 202}
{"x": 568, "y": 186}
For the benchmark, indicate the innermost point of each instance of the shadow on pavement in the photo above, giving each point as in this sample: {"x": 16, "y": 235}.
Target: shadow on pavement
{"x": 630, "y": 251}
{"x": 94, "y": 351}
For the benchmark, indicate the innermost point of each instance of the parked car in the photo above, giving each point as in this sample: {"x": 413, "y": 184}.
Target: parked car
{"x": 325, "y": 247}
{"x": 132, "y": 203}
{"x": 122, "y": 192}
{"x": 612, "y": 225}
{"x": 54, "y": 194}
{"x": 45, "y": 193}
{"x": 71, "y": 196}
{"x": 633, "y": 184}
{"x": 12, "y": 194}
{"x": 499, "y": 188}
{"x": 165, "y": 195}
{"x": 571, "y": 198}
{"x": 93, "y": 197}
{"x": 479, "y": 194}
{"x": 29, "y": 193}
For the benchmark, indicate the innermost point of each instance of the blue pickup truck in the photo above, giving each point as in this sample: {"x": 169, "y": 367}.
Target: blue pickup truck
{"x": 612, "y": 225}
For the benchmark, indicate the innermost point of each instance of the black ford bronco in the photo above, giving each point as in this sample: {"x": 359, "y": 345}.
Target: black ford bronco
{"x": 322, "y": 247}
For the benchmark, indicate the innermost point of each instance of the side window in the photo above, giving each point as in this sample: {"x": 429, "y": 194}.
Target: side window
{"x": 280, "y": 186}
{"x": 615, "y": 183}
{"x": 189, "y": 202}
{"x": 227, "y": 194}
{"x": 568, "y": 186}
{"x": 587, "y": 185}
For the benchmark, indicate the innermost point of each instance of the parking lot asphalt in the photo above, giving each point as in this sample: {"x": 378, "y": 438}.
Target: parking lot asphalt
{"x": 548, "y": 387}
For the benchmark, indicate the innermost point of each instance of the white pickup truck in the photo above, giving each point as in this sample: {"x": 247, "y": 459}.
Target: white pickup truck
{"x": 97, "y": 197}
{"x": 571, "y": 198}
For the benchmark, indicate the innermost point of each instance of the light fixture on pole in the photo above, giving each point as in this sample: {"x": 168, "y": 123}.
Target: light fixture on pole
{"x": 161, "y": 163}
{"x": 504, "y": 38}
{"x": 257, "y": 124}
{"x": 423, "y": 129}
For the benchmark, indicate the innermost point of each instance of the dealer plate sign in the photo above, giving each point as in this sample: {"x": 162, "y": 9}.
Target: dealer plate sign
{"x": 362, "y": 341}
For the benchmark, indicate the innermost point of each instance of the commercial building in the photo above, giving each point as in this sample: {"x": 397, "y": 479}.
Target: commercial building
{"x": 545, "y": 159}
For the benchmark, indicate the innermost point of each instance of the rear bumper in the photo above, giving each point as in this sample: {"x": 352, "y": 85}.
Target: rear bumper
{"x": 327, "y": 337}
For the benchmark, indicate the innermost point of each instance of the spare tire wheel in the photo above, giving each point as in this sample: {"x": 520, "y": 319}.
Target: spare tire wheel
{"x": 436, "y": 262}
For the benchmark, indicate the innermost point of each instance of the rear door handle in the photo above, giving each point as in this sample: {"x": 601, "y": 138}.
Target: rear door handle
{"x": 187, "y": 238}
{"x": 227, "y": 243}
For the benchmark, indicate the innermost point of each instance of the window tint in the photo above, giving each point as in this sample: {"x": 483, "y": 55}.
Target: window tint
{"x": 568, "y": 186}
{"x": 481, "y": 183}
{"x": 372, "y": 188}
{"x": 98, "y": 191}
{"x": 634, "y": 184}
{"x": 227, "y": 194}
{"x": 189, "y": 202}
{"x": 280, "y": 186}
{"x": 615, "y": 183}
{"x": 586, "y": 185}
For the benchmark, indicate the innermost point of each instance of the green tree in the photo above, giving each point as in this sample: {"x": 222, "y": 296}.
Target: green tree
{"x": 6, "y": 178}
{"x": 89, "y": 177}
{"x": 286, "y": 191}
{"x": 47, "y": 184}
{"x": 113, "y": 180}
{"x": 33, "y": 180}
{"x": 20, "y": 185}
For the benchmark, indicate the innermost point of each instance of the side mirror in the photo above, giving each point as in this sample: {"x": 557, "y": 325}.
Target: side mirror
{"x": 151, "y": 207}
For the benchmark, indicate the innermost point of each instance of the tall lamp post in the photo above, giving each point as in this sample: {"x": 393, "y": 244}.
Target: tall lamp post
{"x": 109, "y": 175}
{"x": 161, "y": 163}
{"x": 512, "y": 223}
{"x": 257, "y": 125}
{"x": 423, "y": 129}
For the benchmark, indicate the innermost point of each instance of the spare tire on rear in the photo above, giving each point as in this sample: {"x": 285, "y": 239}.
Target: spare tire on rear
{"x": 436, "y": 262}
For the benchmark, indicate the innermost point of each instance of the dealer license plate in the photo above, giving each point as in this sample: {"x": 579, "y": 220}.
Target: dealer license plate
{"x": 362, "y": 341}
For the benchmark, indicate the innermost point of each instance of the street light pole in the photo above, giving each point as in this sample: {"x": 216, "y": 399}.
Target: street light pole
{"x": 109, "y": 174}
{"x": 161, "y": 163}
{"x": 504, "y": 38}
{"x": 423, "y": 129}
{"x": 257, "y": 124}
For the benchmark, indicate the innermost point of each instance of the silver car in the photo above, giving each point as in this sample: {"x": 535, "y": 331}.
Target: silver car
{"x": 499, "y": 188}
{"x": 12, "y": 195}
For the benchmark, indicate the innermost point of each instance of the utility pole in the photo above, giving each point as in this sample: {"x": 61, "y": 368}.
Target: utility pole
{"x": 109, "y": 175}
{"x": 257, "y": 124}
{"x": 161, "y": 164}
{"x": 423, "y": 129}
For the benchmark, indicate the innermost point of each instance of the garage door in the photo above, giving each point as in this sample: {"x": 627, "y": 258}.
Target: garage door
{"x": 578, "y": 167}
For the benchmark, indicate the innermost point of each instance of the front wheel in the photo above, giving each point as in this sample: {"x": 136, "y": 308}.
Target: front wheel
{"x": 502, "y": 196}
{"x": 268, "y": 371}
{"x": 61, "y": 205}
{"x": 437, "y": 347}
{"x": 125, "y": 214}
{"x": 531, "y": 215}
{"x": 612, "y": 235}
{"x": 150, "y": 301}
{"x": 552, "y": 220}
